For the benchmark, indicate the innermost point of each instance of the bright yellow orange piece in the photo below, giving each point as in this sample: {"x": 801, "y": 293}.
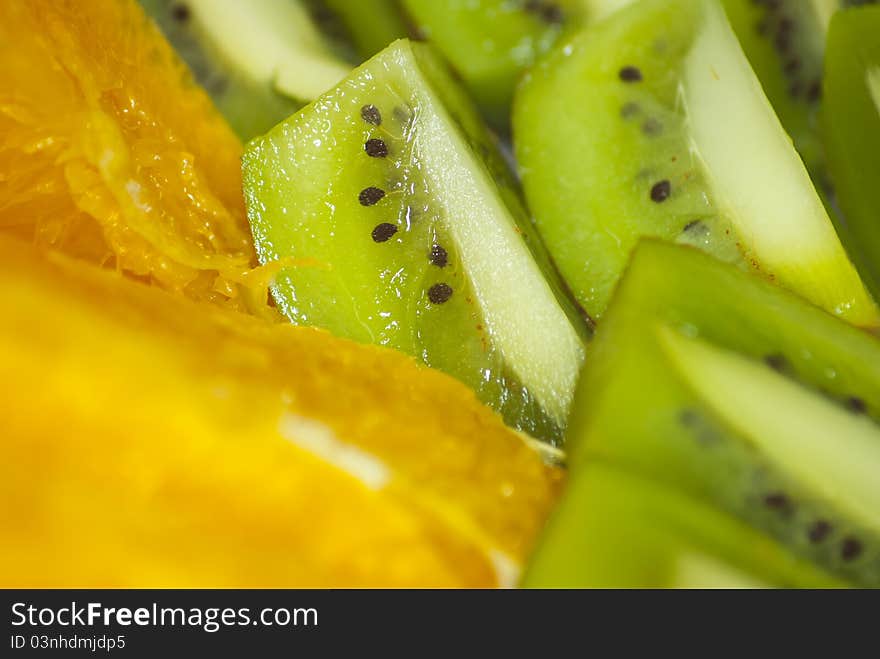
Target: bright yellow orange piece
{"x": 110, "y": 152}
{"x": 153, "y": 441}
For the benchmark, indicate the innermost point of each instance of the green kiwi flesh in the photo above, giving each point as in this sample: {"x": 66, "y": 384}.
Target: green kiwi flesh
{"x": 370, "y": 24}
{"x": 719, "y": 385}
{"x": 851, "y": 129}
{"x": 260, "y": 61}
{"x": 488, "y": 43}
{"x": 673, "y": 138}
{"x": 391, "y": 196}
{"x": 614, "y": 529}
{"x": 784, "y": 41}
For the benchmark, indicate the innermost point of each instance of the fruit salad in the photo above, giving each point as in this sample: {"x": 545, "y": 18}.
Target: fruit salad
{"x": 448, "y": 293}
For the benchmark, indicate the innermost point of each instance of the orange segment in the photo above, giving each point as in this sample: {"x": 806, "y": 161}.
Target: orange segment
{"x": 153, "y": 441}
{"x": 110, "y": 152}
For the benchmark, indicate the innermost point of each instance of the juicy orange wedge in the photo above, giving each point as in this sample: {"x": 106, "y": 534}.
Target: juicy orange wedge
{"x": 110, "y": 152}
{"x": 153, "y": 441}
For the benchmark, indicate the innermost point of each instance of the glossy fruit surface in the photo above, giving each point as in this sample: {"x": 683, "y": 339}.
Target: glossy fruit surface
{"x": 111, "y": 153}
{"x": 153, "y": 441}
{"x": 676, "y": 140}
{"x": 731, "y": 400}
{"x": 411, "y": 235}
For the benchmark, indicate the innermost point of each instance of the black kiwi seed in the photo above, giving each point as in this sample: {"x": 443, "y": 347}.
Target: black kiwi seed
{"x": 851, "y": 549}
{"x": 439, "y": 293}
{"x": 552, "y": 14}
{"x": 383, "y": 232}
{"x": 777, "y": 362}
{"x": 651, "y": 127}
{"x": 660, "y": 191}
{"x": 402, "y": 114}
{"x": 819, "y": 531}
{"x": 180, "y": 12}
{"x": 371, "y": 114}
{"x": 549, "y": 12}
{"x": 856, "y": 405}
{"x": 376, "y": 148}
{"x": 688, "y": 418}
{"x": 693, "y": 224}
{"x": 629, "y": 110}
{"x": 777, "y": 501}
{"x": 792, "y": 66}
{"x": 630, "y": 74}
{"x": 782, "y": 42}
{"x": 439, "y": 256}
{"x": 370, "y": 196}
{"x": 814, "y": 91}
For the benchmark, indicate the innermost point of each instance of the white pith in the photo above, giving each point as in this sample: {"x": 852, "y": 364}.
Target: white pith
{"x": 320, "y": 440}
{"x": 599, "y": 9}
{"x": 757, "y": 178}
{"x": 542, "y": 349}
{"x": 828, "y": 450}
{"x": 823, "y": 10}
{"x": 873, "y": 82}
{"x": 270, "y": 41}
{"x": 700, "y": 570}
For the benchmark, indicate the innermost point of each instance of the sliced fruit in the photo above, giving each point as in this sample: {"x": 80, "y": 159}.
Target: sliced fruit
{"x": 371, "y": 24}
{"x": 152, "y": 441}
{"x": 260, "y": 60}
{"x": 851, "y": 122}
{"x": 784, "y": 41}
{"x": 110, "y": 153}
{"x": 613, "y": 529}
{"x": 675, "y": 140}
{"x": 388, "y": 185}
{"x": 717, "y": 384}
{"x": 490, "y": 42}
{"x": 770, "y": 411}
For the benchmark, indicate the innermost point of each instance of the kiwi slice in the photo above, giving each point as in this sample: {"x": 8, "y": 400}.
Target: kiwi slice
{"x": 851, "y": 126}
{"x": 370, "y": 24}
{"x": 673, "y": 138}
{"x": 613, "y": 529}
{"x": 260, "y": 61}
{"x": 720, "y": 386}
{"x": 408, "y": 233}
{"x": 784, "y": 41}
{"x": 489, "y": 42}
